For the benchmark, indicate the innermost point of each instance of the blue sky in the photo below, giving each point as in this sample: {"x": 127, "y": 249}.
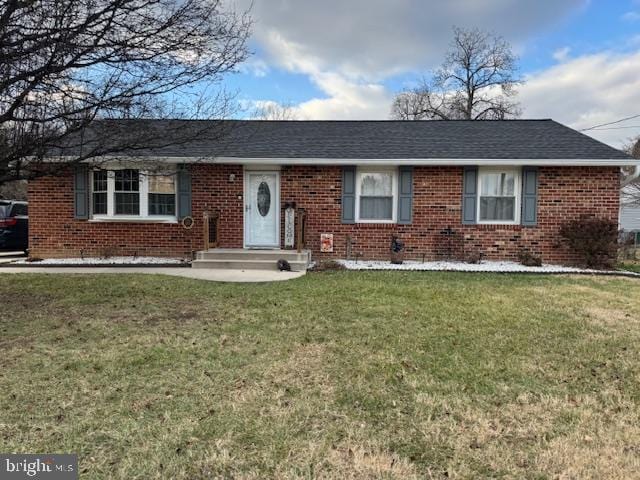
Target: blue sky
{"x": 344, "y": 59}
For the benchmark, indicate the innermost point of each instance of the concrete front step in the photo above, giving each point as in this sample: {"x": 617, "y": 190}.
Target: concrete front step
{"x": 296, "y": 266}
{"x": 246, "y": 254}
{"x": 245, "y": 259}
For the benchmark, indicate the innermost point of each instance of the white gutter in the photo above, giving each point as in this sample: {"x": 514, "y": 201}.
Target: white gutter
{"x": 423, "y": 161}
{"x": 634, "y": 176}
{"x": 377, "y": 161}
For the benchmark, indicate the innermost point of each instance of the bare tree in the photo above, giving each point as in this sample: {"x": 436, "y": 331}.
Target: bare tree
{"x": 275, "y": 111}
{"x": 477, "y": 81}
{"x": 634, "y": 149}
{"x": 631, "y": 191}
{"x": 68, "y": 65}
{"x": 14, "y": 190}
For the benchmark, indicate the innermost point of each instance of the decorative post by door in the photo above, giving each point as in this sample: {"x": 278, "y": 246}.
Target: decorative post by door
{"x": 289, "y": 225}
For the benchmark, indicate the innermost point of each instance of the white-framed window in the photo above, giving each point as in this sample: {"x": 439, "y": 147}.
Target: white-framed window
{"x": 499, "y": 196}
{"x": 376, "y": 196}
{"x": 133, "y": 194}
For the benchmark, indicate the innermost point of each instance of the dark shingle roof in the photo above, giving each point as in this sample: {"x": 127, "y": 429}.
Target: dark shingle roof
{"x": 457, "y": 139}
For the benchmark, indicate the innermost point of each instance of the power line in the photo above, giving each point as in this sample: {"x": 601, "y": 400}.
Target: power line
{"x": 611, "y": 123}
{"x": 616, "y": 128}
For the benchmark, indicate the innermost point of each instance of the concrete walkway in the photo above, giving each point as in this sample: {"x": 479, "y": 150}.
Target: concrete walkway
{"x": 8, "y": 257}
{"x": 213, "y": 275}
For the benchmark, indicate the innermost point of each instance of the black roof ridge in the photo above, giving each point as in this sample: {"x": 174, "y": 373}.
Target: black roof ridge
{"x": 258, "y": 120}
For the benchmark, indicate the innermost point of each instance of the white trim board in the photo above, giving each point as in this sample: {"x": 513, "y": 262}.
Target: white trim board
{"x": 394, "y": 193}
{"x": 421, "y": 161}
{"x": 517, "y": 194}
{"x": 272, "y": 162}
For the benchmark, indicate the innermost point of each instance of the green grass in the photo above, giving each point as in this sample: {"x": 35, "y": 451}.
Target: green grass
{"x": 630, "y": 266}
{"x": 333, "y": 375}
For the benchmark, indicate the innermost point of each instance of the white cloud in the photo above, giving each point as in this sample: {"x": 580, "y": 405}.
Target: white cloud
{"x": 255, "y": 66}
{"x": 586, "y": 91}
{"x": 631, "y": 16}
{"x": 347, "y": 100}
{"x": 562, "y": 54}
{"x": 344, "y": 100}
{"x": 345, "y": 97}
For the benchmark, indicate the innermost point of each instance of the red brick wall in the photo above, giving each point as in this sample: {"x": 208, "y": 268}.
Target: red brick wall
{"x": 564, "y": 193}
{"x": 53, "y": 232}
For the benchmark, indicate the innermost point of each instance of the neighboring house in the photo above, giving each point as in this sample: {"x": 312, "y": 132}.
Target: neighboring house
{"x": 445, "y": 188}
{"x": 630, "y": 211}
{"x": 630, "y": 217}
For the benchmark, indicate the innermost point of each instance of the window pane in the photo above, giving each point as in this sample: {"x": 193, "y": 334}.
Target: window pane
{"x": 376, "y": 208}
{"x": 100, "y": 181}
{"x": 99, "y": 197}
{"x": 376, "y": 185}
{"x": 162, "y": 198}
{"x": 162, "y": 204}
{"x": 99, "y": 203}
{"x": 496, "y": 208}
{"x": 127, "y": 204}
{"x": 499, "y": 184}
{"x": 161, "y": 184}
{"x": 127, "y": 180}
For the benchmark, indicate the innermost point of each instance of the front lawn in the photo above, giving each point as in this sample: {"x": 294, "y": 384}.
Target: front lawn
{"x": 334, "y": 375}
{"x": 630, "y": 266}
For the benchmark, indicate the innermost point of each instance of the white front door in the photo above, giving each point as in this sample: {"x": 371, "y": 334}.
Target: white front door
{"x": 262, "y": 209}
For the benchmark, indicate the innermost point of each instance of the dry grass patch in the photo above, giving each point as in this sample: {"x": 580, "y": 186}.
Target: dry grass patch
{"x": 604, "y": 443}
{"x": 353, "y": 461}
{"x": 506, "y": 437}
{"x": 304, "y": 366}
{"x": 611, "y": 317}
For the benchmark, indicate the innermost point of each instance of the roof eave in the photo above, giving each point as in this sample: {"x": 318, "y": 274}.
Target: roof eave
{"x": 585, "y": 162}
{"x": 409, "y": 161}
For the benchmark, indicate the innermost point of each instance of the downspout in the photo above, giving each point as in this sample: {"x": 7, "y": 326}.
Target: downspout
{"x": 631, "y": 178}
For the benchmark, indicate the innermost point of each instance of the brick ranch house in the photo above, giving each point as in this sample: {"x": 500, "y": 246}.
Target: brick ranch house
{"x": 445, "y": 188}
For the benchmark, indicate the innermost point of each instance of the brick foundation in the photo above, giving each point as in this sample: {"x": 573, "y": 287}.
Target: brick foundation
{"x": 564, "y": 193}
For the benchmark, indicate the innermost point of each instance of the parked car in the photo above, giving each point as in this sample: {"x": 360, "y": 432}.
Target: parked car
{"x": 14, "y": 226}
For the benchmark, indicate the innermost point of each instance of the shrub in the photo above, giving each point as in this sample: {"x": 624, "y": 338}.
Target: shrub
{"x": 529, "y": 259}
{"x": 108, "y": 252}
{"x": 327, "y": 266}
{"x": 627, "y": 249}
{"x": 594, "y": 240}
{"x": 473, "y": 257}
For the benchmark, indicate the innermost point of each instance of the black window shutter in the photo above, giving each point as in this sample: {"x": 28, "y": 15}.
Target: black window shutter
{"x": 470, "y": 195}
{"x": 184, "y": 192}
{"x": 81, "y": 192}
{"x": 529, "y": 196}
{"x": 349, "y": 195}
{"x": 405, "y": 195}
